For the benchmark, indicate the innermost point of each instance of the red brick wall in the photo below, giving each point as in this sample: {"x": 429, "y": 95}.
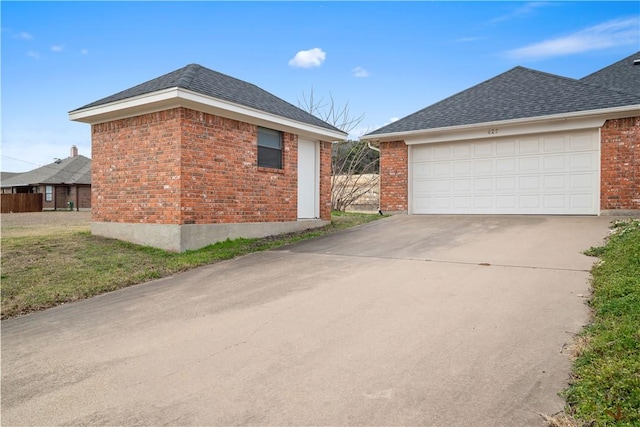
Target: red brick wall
{"x": 394, "y": 172}
{"x": 135, "y": 171}
{"x": 221, "y": 182}
{"x": 325, "y": 180}
{"x": 620, "y": 164}
{"x": 182, "y": 166}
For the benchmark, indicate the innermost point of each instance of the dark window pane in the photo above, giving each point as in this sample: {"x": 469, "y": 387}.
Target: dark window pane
{"x": 269, "y": 157}
{"x": 269, "y": 148}
{"x": 269, "y": 138}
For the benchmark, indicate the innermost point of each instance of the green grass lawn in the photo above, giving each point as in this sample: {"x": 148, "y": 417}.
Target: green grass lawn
{"x": 605, "y": 390}
{"x": 44, "y": 270}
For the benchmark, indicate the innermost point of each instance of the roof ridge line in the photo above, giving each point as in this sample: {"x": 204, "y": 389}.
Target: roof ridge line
{"x": 188, "y": 75}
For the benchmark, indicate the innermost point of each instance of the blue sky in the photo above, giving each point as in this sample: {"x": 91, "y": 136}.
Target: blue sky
{"x": 385, "y": 59}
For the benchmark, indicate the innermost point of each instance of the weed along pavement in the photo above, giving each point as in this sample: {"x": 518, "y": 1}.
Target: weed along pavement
{"x": 410, "y": 320}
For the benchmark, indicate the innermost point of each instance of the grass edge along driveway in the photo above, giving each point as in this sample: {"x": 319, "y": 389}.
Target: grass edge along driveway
{"x": 605, "y": 384}
{"x": 42, "y": 271}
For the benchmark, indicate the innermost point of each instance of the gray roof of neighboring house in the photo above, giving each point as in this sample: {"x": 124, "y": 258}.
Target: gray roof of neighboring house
{"x": 623, "y": 76}
{"x": 202, "y": 80}
{"x": 515, "y": 94}
{"x": 72, "y": 170}
{"x": 7, "y": 175}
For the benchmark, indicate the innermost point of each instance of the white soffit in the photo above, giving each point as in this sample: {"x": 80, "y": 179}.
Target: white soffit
{"x": 176, "y": 97}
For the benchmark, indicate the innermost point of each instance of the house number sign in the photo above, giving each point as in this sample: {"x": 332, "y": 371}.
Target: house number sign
{"x": 493, "y": 131}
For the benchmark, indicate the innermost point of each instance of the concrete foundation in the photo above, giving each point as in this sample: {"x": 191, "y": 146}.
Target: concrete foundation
{"x": 180, "y": 238}
{"x": 621, "y": 212}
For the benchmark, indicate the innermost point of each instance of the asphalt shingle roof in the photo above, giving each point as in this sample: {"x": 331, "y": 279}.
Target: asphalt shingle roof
{"x": 72, "y": 170}
{"x": 623, "y": 76}
{"x": 516, "y": 94}
{"x": 202, "y": 80}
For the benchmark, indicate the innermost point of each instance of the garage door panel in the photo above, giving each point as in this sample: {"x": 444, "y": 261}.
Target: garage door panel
{"x": 506, "y": 165}
{"x": 554, "y": 163}
{"x": 483, "y": 184}
{"x": 581, "y": 201}
{"x": 582, "y": 161}
{"x": 554, "y": 201}
{"x": 586, "y": 142}
{"x": 463, "y": 168}
{"x": 442, "y": 153}
{"x": 425, "y": 154}
{"x": 529, "y": 183}
{"x": 483, "y": 202}
{"x": 505, "y": 183}
{"x": 483, "y": 149}
{"x": 553, "y": 173}
{"x": 464, "y": 202}
{"x": 483, "y": 167}
{"x": 462, "y": 185}
{"x": 555, "y": 182}
{"x": 529, "y": 146}
{"x": 505, "y": 148}
{"x": 442, "y": 169}
{"x": 463, "y": 151}
{"x": 554, "y": 144}
{"x": 506, "y": 202}
{"x": 529, "y": 164}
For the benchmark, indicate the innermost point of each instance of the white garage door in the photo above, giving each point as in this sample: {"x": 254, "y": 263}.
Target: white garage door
{"x": 540, "y": 174}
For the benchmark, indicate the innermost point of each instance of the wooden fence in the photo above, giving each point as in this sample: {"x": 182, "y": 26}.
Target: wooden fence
{"x": 22, "y": 202}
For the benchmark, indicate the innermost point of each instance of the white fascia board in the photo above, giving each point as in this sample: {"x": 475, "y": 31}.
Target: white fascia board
{"x": 239, "y": 112}
{"x": 176, "y": 97}
{"x": 553, "y": 123}
{"x": 148, "y": 102}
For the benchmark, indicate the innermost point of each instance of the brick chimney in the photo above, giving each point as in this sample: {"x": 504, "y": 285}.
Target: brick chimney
{"x": 74, "y": 151}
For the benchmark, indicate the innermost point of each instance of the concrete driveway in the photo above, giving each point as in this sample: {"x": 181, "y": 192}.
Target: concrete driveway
{"x": 410, "y": 320}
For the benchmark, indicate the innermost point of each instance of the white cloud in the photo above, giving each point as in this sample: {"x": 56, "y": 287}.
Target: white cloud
{"x": 469, "y": 39}
{"x": 360, "y": 72}
{"x": 84, "y": 51}
{"x": 308, "y": 58}
{"x": 23, "y": 35}
{"x": 57, "y": 48}
{"x": 618, "y": 32}
{"x": 33, "y": 54}
{"x": 525, "y": 10}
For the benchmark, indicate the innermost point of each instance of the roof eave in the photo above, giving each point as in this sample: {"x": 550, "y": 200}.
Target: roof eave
{"x": 178, "y": 97}
{"x": 555, "y": 122}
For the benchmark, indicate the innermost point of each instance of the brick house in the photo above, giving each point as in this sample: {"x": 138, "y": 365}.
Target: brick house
{"x": 196, "y": 156}
{"x": 63, "y": 183}
{"x": 523, "y": 142}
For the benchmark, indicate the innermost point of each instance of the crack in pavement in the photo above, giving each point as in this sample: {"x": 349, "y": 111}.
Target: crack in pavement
{"x": 486, "y": 264}
{"x": 439, "y": 261}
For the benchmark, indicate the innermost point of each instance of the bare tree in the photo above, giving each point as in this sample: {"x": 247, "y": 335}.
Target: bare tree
{"x": 354, "y": 166}
{"x": 328, "y": 111}
{"x": 354, "y": 173}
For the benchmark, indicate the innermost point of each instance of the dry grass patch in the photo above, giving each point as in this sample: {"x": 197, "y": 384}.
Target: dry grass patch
{"x": 561, "y": 420}
{"x": 48, "y": 265}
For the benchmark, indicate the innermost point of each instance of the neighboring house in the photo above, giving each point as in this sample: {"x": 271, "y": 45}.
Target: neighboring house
{"x": 6, "y": 175}
{"x": 63, "y": 182}
{"x": 195, "y": 156}
{"x": 523, "y": 142}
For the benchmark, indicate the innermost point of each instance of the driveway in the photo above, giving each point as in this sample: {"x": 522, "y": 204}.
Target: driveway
{"x": 410, "y": 320}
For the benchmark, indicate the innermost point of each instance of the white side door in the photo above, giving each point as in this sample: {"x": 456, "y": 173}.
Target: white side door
{"x": 308, "y": 179}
